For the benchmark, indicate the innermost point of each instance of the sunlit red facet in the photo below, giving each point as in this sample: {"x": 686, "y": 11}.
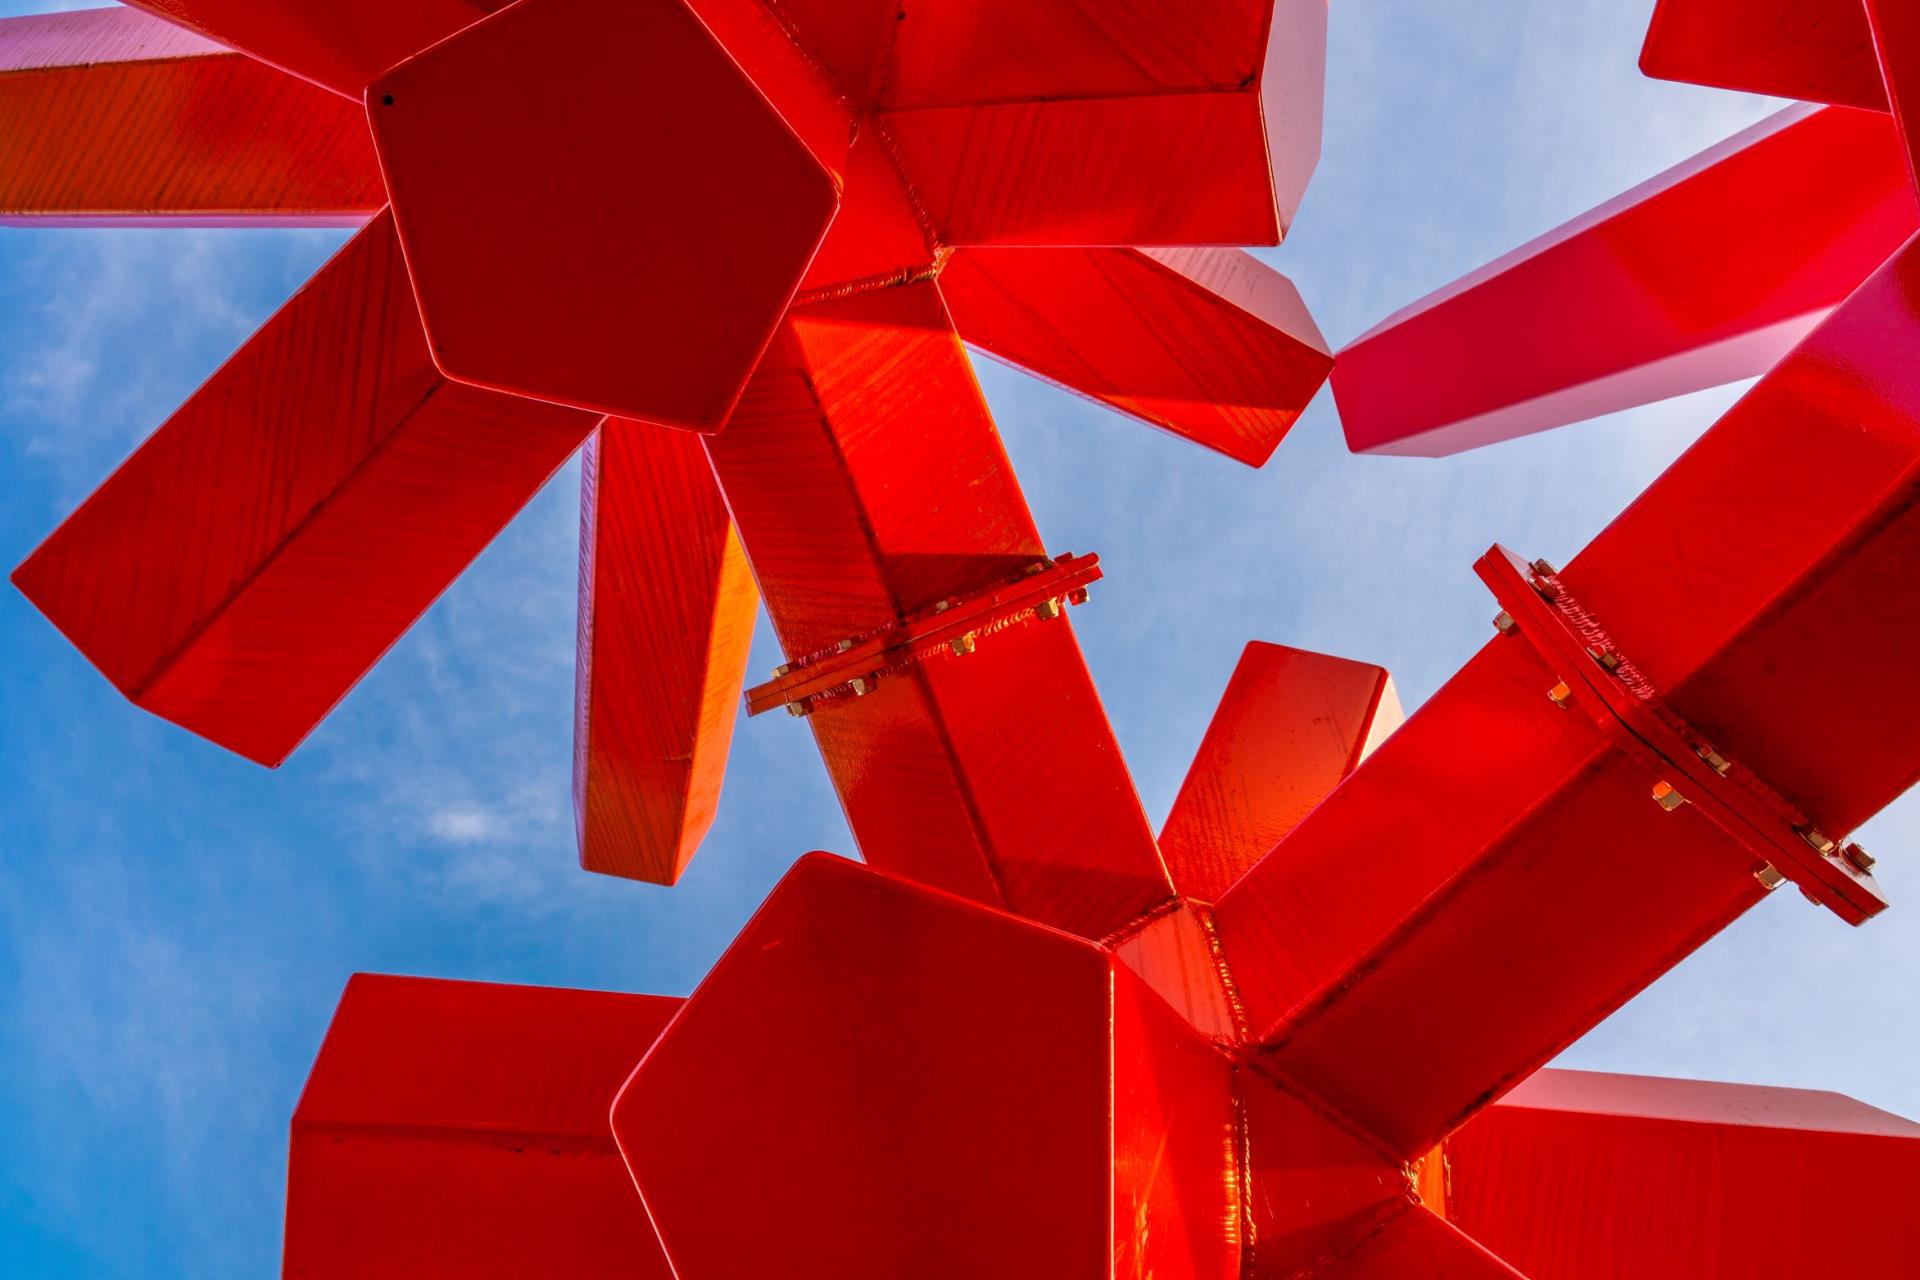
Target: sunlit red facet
{"x": 243, "y": 569}
{"x": 1033, "y": 1039}
{"x": 461, "y": 1128}
{"x": 116, "y": 118}
{"x": 1208, "y": 344}
{"x": 667, "y": 607}
{"x": 1576, "y": 1174}
{"x": 1673, "y": 287}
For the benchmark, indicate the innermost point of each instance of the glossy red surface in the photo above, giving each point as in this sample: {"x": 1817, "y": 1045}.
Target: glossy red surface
{"x": 1672, "y": 287}
{"x": 993, "y": 775}
{"x": 1555, "y": 888}
{"x": 1209, "y": 344}
{"x": 667, "y": 607}
{"x": 1290, "y": 726}
{"x": 1896, "y": 42}
{"x": 339, "y": 44}
{"x": 1816, "y": 50}
{"x": 671, "y": 258}
{"x": 116, "y": 118}
{"x": 242, "y": 570}
{"x": 1576, "y": 1175}
{"x": 460, "y": 1128}
{"x": 907, "y": 1068}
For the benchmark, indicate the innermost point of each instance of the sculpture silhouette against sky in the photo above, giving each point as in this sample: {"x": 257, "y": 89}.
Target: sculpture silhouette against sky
{"x": 734, "y": 248}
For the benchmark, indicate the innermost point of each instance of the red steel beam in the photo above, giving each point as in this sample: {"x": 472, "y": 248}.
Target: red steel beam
{"x": 460, "y": 1128}
{"x": 994, "y": 774}
{"x": 1672, "y": 287}
{"x": 116, "y": 118}
{"x": 1209, "y": 344}
{"x": 1576, "y": 1174}
{"x": 247, "y": 565}
{"x": 1290, "y": 726}
{"x": 1815, "y": 50}
{"x": 1553, "y": 877}
{"x": 1896, "y": 42}
{"x": 340, "y": 45}
{"x": 667, "y": 607}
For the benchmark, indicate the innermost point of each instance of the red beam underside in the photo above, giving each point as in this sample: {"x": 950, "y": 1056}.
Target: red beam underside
{"x": 243, "y": 569}
{"x": 1290, "y": 726}
{"x": 1209, "y": 344}
{"x": 1416, "y": 1245}
{"x": 460, "y": 1128}
{"x": 1576, "y": 1175}
{"x": 1707, "y": 274}
{"x": 1815, "y": 50}
{"x": 667, "y": 607}
{"x": 114, "y": 117}
{"x": 338, "y": 44}
{"x": 1497, "y": 877}
{"x": 1896, "y": 41}
{"x": 993, "y": 775}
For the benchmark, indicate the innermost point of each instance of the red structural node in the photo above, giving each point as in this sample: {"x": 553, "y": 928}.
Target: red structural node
{"x": 1033, "y": 1039}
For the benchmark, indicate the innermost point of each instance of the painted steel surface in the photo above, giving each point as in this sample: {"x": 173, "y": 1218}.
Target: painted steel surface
{"x": 1030, "y": 1038}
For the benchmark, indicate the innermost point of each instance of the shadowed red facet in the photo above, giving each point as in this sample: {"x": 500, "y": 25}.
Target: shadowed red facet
{"x": 667, "y": 607}
{"x": 1548, "y": 885}
{"x": 576, "y": 240}
{"x": 340, "y": 44}
{"x": 1316, "y": 1190}
{"x": 927, "y": 1087}
{"x": 1416, "y": 1245}
{"x": 460, "y": 1128}
{"x": 1896, "y": 41}
{"x": 1816, "y": 50}
{"x": 1678, "y": 285}
{"x": 242, "y": 570}
{"x": 993, "y": 775}
{"x": 1209, "y": 344}
{"x": 1290, "y": 726}
{"x": 1575, "y": 1175}
{"x": 116, "y": 118}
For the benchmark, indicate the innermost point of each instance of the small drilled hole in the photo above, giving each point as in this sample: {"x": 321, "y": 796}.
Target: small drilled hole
{"x": 388, "y": 100}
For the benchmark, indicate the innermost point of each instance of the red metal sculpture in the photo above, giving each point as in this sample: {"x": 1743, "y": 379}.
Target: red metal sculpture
{"x": 734, "y": 246}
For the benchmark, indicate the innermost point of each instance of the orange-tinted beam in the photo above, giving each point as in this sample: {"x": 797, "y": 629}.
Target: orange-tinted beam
{"x": 1209, "y": 344}
{"x": 1290, "y": 726}
{"x": 461, "y": 1128}
{"x": 994, "y": 774}
{"x": 667, "y": 606}
{"x": 1704, "y": 275}
{"x": 242, "y": 570}
{"x": 115, "y": 117}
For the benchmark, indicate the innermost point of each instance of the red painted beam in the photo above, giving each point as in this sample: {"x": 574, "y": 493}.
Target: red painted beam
{"x": 116, "y": 118}
{"x": 585, "y": 195}
{"x": 1129, "y": 129}
{"x": 340, "y": 45}
{"x": 247, "y": 565}
{"x": 1416, "y": 1245}
{"x": 1815, "y": 50}
{"x": 1672, "y": 287}
{"x": 941, "y": 1072}
{"x": 1290, "y": 726}
{"x": 1576, "y": 1174}
{"x": 992, "y": 774}
{"x": 460, "y": 1128}
{"x": 1549, "y": 883}
{"x": 1209, "y": 344}
{"x": 1896, "y": 42}
{"x": 667, "y": 607}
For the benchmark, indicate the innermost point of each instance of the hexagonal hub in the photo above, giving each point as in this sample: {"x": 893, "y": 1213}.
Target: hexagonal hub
{"x": 598, "y": 206}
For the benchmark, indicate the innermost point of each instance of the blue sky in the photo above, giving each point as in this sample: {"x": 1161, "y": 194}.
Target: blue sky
{"x": 176, "y": 925}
